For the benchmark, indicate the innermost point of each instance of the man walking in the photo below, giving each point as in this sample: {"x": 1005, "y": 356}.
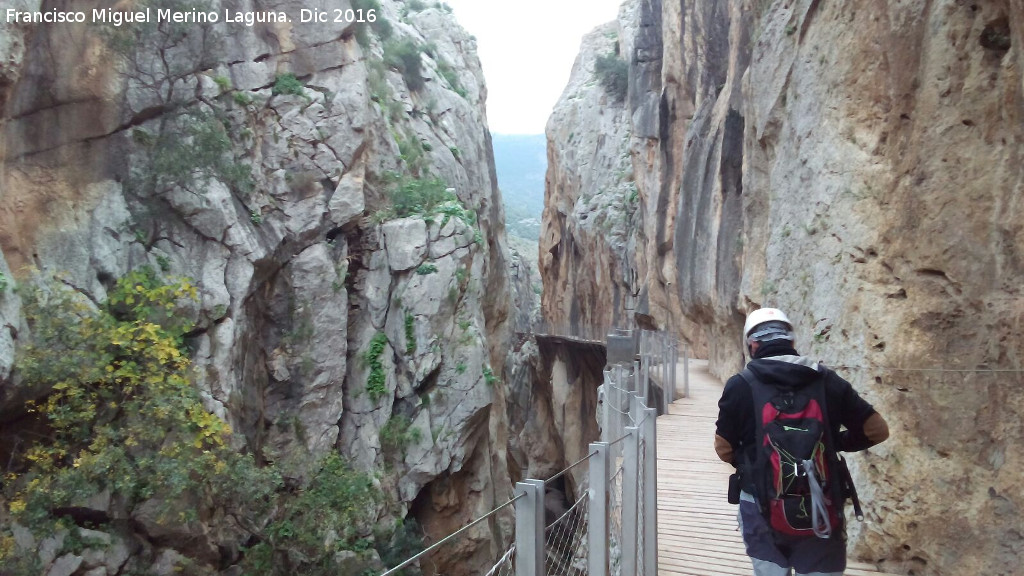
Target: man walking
{"x": 780, "y": 423}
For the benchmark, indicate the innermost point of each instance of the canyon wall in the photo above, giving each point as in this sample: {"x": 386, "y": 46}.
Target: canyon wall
{"x": 857, "y": 165}
{"x": 310, "y": 282}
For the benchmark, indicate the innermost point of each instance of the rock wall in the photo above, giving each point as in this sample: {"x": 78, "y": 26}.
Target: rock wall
{"x": 589, "y": 199}
{"x": 860, "y": 167}
{"x": 300, "y": 272}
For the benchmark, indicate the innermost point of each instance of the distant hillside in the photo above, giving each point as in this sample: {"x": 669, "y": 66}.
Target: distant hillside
{"x": 521, "y": 161}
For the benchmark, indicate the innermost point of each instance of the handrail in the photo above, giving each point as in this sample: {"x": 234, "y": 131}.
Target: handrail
{"x": 570, "y": 467}
{"x": 621, "y": 438}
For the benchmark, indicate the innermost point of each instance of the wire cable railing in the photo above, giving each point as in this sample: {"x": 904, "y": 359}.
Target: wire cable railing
{"x": 566, "y": 542}
{"x": 452, "y": 536}
{"x": 610, "y": 527}
{"x": 505, "y": 566}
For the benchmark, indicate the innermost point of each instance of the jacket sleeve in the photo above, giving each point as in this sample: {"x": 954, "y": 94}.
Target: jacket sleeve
{"x": 729, "y": 427}
{"x": 864, "y": 426}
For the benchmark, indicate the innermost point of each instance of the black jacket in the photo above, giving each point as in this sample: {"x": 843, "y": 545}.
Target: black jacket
{"x": 846, "y": 409}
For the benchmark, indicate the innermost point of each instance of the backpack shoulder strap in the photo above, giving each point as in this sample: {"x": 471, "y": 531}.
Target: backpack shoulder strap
{"x": 760, "y": 393}
{"x": 843, "y": 486}
{"x": 755, "y": 461}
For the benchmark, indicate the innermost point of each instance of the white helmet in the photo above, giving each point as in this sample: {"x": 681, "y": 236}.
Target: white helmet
{"x": 762, "y": 315}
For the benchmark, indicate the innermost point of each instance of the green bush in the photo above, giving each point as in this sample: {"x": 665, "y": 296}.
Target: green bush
{"x": 613, "y": 73}
{"x": 287, "y": 83}
{"x": 406, "y": 57}
{"x": 489, "y": 376}
{"x": 121, "y": 412}
{"x": 191, "y": 148}
{"x": 397, "y": 435}
{"x": 451, "y": 77}
{"x": 223, "y": 82}
{"x": 424, "y": 269}
{"x": 380, "y": 25}
{"x": 410, "y": 333}
{"x": 417, "y": 195}
{"x": 411, "y": 151}
{"x": 319, "y": 521}
{"x": 376, "y": 383}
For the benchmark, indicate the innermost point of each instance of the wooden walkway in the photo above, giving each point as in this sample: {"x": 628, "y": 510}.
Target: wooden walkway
{"x": 697, "y": 532}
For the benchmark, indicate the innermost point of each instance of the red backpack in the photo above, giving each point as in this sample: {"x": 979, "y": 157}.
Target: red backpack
{"x": 795, "y": 469}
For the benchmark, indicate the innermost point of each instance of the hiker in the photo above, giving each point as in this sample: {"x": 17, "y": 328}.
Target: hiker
{"x": 779, "y": 424}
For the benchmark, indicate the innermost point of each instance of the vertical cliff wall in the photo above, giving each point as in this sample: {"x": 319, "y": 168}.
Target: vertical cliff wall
{"x": 860, "y": 167}
{"x": 589, "y": 197}
{"x": 304, "y": 268}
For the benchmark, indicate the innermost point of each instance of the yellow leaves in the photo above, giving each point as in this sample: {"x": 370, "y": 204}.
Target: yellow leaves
{"x": 122, "y": 408}
{"x": 17, "y": 506}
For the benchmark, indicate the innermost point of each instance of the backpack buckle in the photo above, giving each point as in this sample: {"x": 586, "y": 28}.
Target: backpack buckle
{"x": 798, "y": 471}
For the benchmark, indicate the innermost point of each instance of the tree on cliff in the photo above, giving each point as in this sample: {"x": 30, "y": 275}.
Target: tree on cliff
{"x": 121, "y": 418}
{"x": 183, "y": 143}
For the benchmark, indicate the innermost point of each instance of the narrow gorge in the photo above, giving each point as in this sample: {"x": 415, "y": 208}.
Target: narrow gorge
{"x": 327, "y": 193}
{"x": 855, "y": 164}
{"x": 259, "y": 314}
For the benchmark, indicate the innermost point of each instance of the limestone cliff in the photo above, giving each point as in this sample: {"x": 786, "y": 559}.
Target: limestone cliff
{"x": 860, "y": 167}
{"x": 590, "y": 198}
{"x": 288, "y": 229}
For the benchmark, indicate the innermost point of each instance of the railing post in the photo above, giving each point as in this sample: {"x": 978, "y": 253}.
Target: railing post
{"x": 530, "y": 528}
{"x": 622, "y": 399}
{"x": 606, "y": 408}
{"x": 665, "y": 357}
{"x": 645, "y": 379}
{"x": 636, "y": 406}
{"x": 675, "y": 369}
{"x": 597, "y": 529}
{"x": 637, "y": 374}
{"x": 686, "y": 371}
{"x": 667, "y": 385}
{"x": 649, "y": 431}
{"x": 629, "y": 501}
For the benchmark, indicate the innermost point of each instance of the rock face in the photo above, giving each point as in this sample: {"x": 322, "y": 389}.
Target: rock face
{"x": 591, "y": 199}
{"x": 860, "y": 169}
{"x": 296, "y": 280}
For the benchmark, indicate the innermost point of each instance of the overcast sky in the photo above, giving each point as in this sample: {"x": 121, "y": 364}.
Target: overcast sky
{"x": 527, "y": 48}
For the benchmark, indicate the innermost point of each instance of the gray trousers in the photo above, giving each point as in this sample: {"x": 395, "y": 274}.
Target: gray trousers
{"x": 775, "y": 555}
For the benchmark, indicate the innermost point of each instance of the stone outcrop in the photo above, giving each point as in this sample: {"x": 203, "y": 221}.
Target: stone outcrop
{"x": 859, "y": 167}
{"x": 591, "y": 198}
{"x": 296, "y": 276}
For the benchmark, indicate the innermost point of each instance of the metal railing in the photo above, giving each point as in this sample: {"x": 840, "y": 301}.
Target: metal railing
{"x": 610, "y": 528}
{"x": 659, "y": 359}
